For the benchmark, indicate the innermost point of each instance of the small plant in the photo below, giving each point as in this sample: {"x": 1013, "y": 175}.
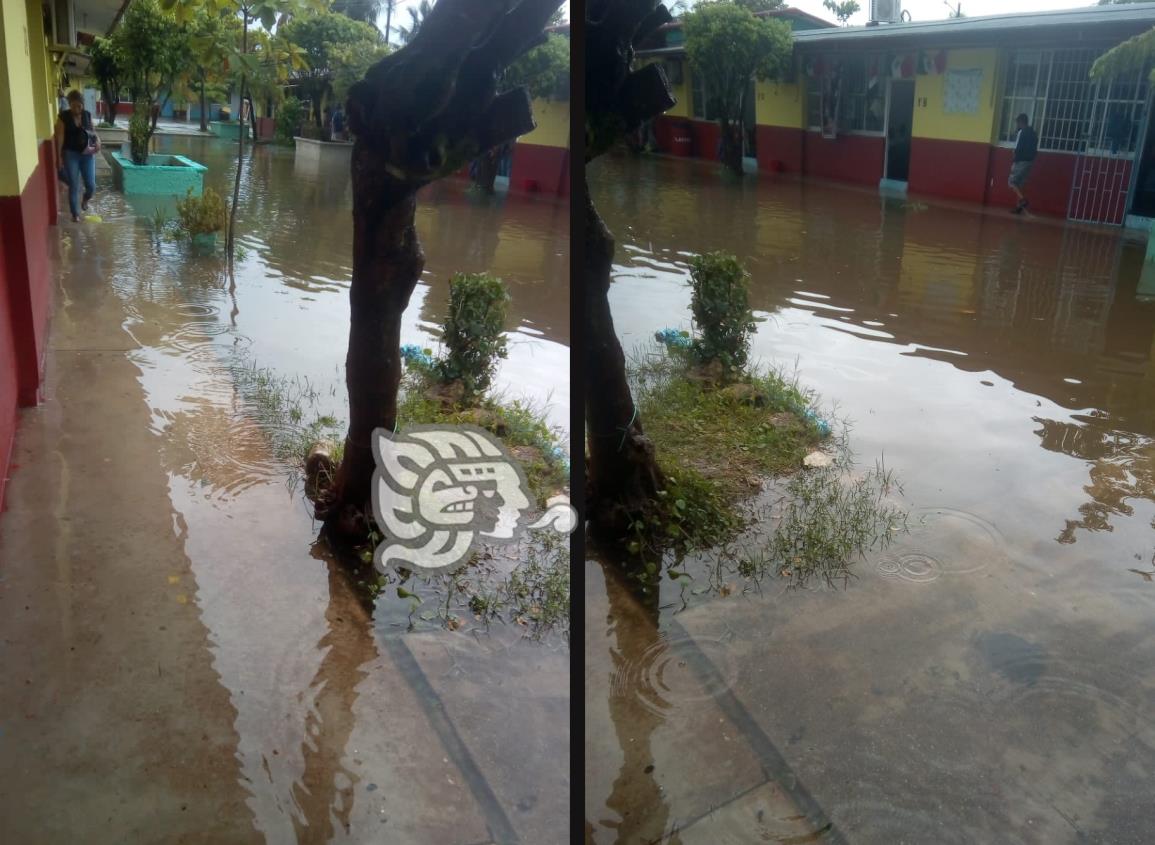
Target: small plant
{"x": 290, "y": 114}
{"x": 721, "y": 310}
{"x": 472, "y": 336}
{"x": 203, "y": 215}
{"x": 159, "y": 220}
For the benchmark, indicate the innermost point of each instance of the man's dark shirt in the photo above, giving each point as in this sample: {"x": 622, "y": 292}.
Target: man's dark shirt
{"x": 1027, "y": 145}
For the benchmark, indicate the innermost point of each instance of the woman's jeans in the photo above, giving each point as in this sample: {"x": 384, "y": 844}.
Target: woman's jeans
{"x": 78, "y": 166}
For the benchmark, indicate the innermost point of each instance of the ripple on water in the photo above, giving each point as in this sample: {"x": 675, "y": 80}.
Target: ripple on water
{"x": 943, "y": 541}
{"x": 674, "y": 672}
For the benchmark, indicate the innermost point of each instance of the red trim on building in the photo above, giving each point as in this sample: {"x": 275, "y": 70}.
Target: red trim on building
{"x": 539, "y": 169}
{"x": 954, "y": 170}
{"x": 779, "y": 149}
{"x": 25, "y": 296}
{"x": 704, "y": 137}
{"x": 847, "y": 158}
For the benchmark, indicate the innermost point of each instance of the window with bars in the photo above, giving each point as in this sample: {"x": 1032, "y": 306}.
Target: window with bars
{"x": 862, "y": 100}
{"x": 1070, "y": 112}
{"x": 704, "y": 107}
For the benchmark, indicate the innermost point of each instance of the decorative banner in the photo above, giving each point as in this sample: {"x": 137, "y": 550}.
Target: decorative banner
{"x": 903, "y": 67}
{"x": 931, "y": 66}
{"x": 961, "y": 91}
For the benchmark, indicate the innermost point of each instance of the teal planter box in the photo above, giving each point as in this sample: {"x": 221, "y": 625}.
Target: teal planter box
{"x": 231, "y": 130}
{"x": 164, "y": 175}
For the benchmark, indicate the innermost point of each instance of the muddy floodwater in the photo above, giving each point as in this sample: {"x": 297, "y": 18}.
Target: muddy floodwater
{"x": 182, "y": 661}
{"x": 991, "y": 676}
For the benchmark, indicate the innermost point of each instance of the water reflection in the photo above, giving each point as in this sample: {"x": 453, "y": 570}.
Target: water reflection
{"x": 981, "y": 680}
{"x": 326, "y": 789}
{"x": 341, "y": 729}
{"x": 295, "y": 224}
{"x": 636, "y": 706}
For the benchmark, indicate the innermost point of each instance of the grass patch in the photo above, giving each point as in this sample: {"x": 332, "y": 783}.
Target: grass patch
{"x": 825, "y": 520}
{"x": 285, "y": 408}
{"x": 738, "y": 497}
{"x": 525, "y": 585}
{"x": 521, "y": 427}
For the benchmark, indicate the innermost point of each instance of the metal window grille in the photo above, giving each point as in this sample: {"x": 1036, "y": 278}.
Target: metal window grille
{"x": 704, "y": 107}
{"x": 1070, "y": 112}
{"x": 862, "y": 106}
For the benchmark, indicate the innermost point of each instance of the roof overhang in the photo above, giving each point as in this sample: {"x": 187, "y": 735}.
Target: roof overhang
{"x": 1105, "y": 24}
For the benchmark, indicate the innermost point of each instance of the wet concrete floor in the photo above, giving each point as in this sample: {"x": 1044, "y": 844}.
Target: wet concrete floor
{"x": 182, "y": 661}
{"x": 988, "y": 678}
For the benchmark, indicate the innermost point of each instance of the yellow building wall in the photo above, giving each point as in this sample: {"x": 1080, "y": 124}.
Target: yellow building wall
{"x": 930, "y": 121}
{"x": 43, "y": 72}
{"x": 552, "y": 117}
{"x": 18, "y": 129}
{"x": 779, "y": 104}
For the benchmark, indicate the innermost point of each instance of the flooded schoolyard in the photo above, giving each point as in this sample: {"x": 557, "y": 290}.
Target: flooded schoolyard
{"x": 184, "y": 660}
{"x": 989, "y": 676}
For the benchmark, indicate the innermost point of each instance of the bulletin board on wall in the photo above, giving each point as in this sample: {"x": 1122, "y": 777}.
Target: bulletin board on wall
{"x": 962, "y": 90}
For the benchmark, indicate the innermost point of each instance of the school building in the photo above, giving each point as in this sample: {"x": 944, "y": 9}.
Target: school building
{"x": 38, "y": 46}
{"x": 928, "y": 108}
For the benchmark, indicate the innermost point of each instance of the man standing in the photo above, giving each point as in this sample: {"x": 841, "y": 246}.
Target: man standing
{"x": 1026, "y": 146}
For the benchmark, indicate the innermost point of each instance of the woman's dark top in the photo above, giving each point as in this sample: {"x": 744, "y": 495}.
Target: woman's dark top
{"x": 76, "y": 137}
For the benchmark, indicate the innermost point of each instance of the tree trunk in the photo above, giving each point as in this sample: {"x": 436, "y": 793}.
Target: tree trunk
{"x": 230, "y": 243}
{"x": 387, "y": 262}
{"x": 623, "y": 477}
{"x": 404, "y": 138}
{"x": 109, "y": 105}
{"x": 204, "y": 109}
{"x": 732, "y": 146}
{"x": 485, "y": 174}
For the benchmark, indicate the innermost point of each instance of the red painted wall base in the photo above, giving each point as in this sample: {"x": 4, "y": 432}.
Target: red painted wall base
{"x": 25, "y": 297}
{"x": 540, "y": 169}
{"x": 847, "y": 158}
{"x": 950, "y": 169}
{"x": 779, "y": 149}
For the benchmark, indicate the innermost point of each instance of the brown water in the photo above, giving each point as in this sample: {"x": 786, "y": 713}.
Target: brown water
{"x": 990, "y": 677}
{"x": 192, "y": 666}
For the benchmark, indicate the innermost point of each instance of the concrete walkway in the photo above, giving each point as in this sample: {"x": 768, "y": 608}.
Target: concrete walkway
{"x": 181, "y": 661}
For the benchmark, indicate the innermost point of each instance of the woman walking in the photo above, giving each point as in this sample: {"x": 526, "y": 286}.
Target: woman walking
{"x": 76, "y": 148}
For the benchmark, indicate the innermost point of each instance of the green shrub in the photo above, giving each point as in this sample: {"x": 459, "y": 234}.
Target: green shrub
{"x": 472, "y": 336}
{"x": 202, "y": 215}
{"x": 721, "y": 309}
{"x": 290, "y": 114}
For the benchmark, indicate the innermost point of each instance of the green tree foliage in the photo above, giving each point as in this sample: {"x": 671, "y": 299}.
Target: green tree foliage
{"x": 337, "y": 50}
{"x": 262, "y": 60}
{"x": 212, "y": 38}
{"x": 153, "y": 51}
{"x": 1134, "y": 55}
{"x": 761, "y": 5}
{"x": 417, "y": 16}
{"x": 107, "y": 66}
{"x": 842, "y": 10}
{"x": 365, "y": 11}
{"x": 543, "y": 71}
{"x": 729, "y": 46}
{"x": 289, "y": 117}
